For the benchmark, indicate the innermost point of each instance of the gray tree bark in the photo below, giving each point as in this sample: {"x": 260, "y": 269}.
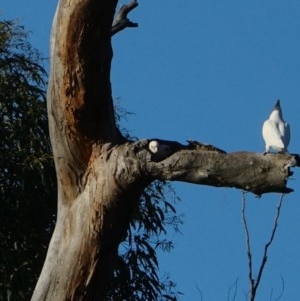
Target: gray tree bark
{"x": 100, "y": 174}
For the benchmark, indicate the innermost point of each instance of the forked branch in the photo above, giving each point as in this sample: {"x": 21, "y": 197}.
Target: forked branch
{"x": 254, "y": 283}
{"x": 121, "y": 21}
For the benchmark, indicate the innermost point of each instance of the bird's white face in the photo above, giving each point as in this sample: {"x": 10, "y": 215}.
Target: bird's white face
{"x": 153, "y": 146}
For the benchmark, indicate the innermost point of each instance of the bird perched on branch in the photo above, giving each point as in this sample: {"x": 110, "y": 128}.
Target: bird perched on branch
{"x": 276, "y": 132}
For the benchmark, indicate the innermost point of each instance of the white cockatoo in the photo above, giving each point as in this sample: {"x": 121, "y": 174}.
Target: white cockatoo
{"x": 275, "y": 131}
{"x": 161, "y": 151}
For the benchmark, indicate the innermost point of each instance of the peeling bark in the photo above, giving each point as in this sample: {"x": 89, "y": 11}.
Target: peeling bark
{"x": 101, "y": 175}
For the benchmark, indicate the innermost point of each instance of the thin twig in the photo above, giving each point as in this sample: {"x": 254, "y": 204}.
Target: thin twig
{"x": 249, "y": 254}
{"x": 121, "y": 21}
{"x": 255, "y": 283}
{"x": 282, "y": 289}
{"x": 198, "y": 289}
{"x": 235, "y": 285}
{"x": 265, "y": 256}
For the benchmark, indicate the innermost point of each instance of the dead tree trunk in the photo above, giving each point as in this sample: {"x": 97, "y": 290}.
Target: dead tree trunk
{"x": 101, "y": 175}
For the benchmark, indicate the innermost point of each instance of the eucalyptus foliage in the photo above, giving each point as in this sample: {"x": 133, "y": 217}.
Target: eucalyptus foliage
{"x": 136, "y": 276}
{"x": 27, "y": 178}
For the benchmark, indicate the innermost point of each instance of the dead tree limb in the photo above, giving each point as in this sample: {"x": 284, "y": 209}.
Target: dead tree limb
{"x": 121, "y": 20}
{"x": 243, "y": 170}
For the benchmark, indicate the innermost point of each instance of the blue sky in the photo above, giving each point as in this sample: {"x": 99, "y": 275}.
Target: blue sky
{"x": 209, "y": 71}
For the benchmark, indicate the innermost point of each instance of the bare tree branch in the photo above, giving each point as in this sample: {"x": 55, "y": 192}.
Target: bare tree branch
{"x": 265, "y": 256}
{"x": 254, "y": 283}
{"x": 210, "y": 166}
{"x": 248, "y": 246}
{"x": 121, "y": 21}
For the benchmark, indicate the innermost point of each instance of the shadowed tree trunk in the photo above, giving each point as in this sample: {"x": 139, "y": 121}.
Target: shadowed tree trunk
{"x": 100, "y": 174}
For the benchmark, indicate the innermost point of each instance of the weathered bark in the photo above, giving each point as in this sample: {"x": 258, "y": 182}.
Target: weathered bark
{"x": 93, "y": 210}
{"x": 245, "y": 170}
{"x": 89, "y": 228}
{"x": 101, "y": 175}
